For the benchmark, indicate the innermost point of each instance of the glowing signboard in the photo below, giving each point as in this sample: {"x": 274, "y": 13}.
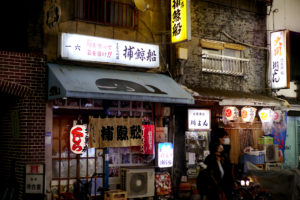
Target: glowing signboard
{"x": 165, "y": 154}
{"x": 198, "y": 119}
{"x": 279, "y": 76}
{"x": 98, "y": 49}
{"x": 180, "y": 20}
{"x": 79, "y": 139}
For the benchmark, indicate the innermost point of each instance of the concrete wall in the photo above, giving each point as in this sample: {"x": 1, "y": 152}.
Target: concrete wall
{"x": 247, "y": 26}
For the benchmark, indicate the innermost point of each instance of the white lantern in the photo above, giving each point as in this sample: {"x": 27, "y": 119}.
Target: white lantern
{"x": 231, "y": 113}
{"x": 266, "y": 115}
{"x": 78, "y": 139}
{"x": 248, "y": 114}
{"x": 277, "y": 115}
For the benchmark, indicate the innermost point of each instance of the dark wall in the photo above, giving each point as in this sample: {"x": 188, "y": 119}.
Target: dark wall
{"x": 21, "y": 25}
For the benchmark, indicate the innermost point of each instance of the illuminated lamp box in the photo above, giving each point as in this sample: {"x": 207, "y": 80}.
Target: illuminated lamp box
{"x": 265, "y": 140}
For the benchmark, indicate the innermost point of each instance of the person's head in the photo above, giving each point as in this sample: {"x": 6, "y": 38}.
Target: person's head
{"x": 215, "y": 148}
{"x": 220, "y": 135}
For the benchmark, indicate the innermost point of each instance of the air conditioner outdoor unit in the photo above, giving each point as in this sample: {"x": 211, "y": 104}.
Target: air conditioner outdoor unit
{"x": 138, "y": 183}
{"x": 271, "y": 152}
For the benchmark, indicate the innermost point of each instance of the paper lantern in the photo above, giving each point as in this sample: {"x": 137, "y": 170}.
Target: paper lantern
{"x": 231, "y": 113}
{"x": 248, "y": 114}
{"x": 79, "y": 139}
{"x": 266, "y": 115}
{"x": 277, "y": 115}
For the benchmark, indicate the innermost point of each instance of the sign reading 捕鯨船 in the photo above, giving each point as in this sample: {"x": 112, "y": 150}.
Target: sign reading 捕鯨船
{"x": 98, "y": 49}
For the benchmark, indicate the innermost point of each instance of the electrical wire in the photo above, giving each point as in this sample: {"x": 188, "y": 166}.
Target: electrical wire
{"x": 243, "y": 43}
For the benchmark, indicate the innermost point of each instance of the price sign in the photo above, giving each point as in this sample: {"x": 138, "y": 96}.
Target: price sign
{"x": 165, "y": 154}
{"x": 198, "y": 119}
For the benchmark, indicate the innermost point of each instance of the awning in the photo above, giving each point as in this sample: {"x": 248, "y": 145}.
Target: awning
{"x": 87, "y": 82}
{"x": 238, "y": 98}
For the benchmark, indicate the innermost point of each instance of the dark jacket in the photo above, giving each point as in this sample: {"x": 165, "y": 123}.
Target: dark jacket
{"x": 219, "y": 185}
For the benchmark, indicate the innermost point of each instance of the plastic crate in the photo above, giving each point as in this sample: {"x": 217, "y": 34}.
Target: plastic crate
{"x": 115, "y": 195}
{"x": 257, "y": 158}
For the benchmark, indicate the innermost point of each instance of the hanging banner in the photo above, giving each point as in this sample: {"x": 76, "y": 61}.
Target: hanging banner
{"x": 148, "y": 139}
{"x": 248, "y": 114}
{"x": 115, "y": 132}
{"x": 279, "y": 135}
{"x": 79, "y": 139}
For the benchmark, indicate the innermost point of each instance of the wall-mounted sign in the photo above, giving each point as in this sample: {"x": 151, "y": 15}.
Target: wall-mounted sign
{"x": 198, "y": 119}
{"x": 279, "y": 62}
{"x": 180, "y": 20}
{"x": 98, "y": 49}
{"x": 231, "y": 113}
{"x": 34, "y": 179}
{"x": 266, "y": 115}
{"x": 165, "y": 154}
{"x": 248, "y": 114}
{"x": 79, "y": 139}
{"x": 115, "y": 132}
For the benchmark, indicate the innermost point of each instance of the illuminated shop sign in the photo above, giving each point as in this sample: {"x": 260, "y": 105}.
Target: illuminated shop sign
{"x": 279, "y": 76}
{"x": 79, "y": 139}
{"x": 198, "y": 119}
{"x": 180, "y": 20}
{"x": 98, "y": 49}
{"x": 165, "y": 154}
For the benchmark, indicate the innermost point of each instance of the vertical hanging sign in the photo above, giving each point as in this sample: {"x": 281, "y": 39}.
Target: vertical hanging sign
{"x": 279, "y": 60}
{"x": 180, "y": 20}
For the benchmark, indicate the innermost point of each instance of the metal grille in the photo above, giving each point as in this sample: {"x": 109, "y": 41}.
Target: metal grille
{"x": 224, "y": 64}
{"x": 106, "y": 12}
